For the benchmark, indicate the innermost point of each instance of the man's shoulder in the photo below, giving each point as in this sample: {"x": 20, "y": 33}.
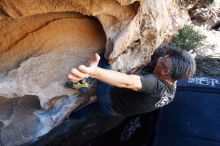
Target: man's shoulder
{"x": 149, "y": 77}
{"x": 149, "y": 83}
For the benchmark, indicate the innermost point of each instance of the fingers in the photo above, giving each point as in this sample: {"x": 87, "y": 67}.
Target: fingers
{"x": 97, "y": 57}
{"x": 192, "y": 53}
{"x": 85, "y": 69}
{"x": 77, "y": 75}
{"x": 73, "y": 78}
{"x": 95, "y": 60}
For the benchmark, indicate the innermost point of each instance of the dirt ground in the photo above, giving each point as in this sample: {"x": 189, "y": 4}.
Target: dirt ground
{"x": 204, "y": 17}
{"x": 208, "y": 67}
{"x": 208, "y": 54}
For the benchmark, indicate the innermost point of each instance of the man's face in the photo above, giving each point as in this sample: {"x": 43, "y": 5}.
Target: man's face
{"x": 163, "y": 67}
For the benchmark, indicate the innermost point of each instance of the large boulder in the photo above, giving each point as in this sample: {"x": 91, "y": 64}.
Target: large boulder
{"x": 40, "y": 41}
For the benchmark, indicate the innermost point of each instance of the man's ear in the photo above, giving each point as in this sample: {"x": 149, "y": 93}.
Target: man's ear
{"x": 165, "y": 71}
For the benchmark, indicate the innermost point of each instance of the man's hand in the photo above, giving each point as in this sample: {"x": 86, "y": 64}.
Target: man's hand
{"x": 193, "y": 54}
{"x": 84, "y": 71}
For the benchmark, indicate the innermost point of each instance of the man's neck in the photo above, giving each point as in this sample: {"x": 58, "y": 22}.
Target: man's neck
{"x": 166, "y": 78}
{"x": 170, "y": 82}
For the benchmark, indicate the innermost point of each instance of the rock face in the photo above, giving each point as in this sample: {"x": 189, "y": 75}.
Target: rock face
{"x": 40, "y": 41}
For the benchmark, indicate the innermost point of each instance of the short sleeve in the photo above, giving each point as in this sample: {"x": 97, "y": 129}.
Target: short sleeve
{"x": 149, "y": 83}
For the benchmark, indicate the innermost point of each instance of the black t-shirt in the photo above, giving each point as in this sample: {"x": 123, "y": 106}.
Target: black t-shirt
{"x": 154, "y": 94}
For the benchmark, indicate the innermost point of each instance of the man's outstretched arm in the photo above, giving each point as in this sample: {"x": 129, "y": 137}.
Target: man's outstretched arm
{"x": 110, "y": 77}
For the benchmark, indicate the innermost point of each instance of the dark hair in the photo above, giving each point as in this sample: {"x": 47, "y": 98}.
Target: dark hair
{"x": 159, "y": 52}
{"x": 183, "y": 64}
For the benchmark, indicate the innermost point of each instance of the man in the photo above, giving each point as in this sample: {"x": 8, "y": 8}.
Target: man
{"x": 129, "y": 94}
